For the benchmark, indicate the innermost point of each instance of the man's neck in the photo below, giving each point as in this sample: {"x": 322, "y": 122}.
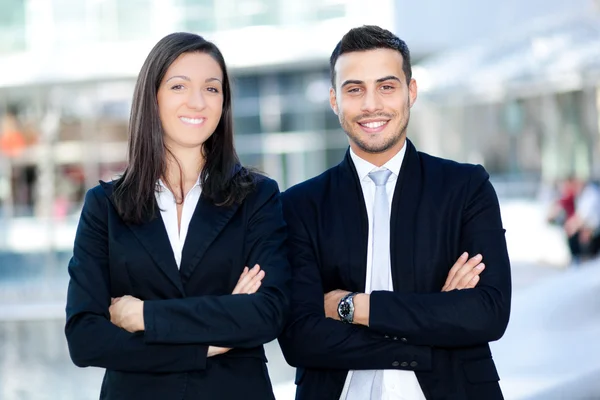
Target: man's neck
{"x": 379, "y": 159}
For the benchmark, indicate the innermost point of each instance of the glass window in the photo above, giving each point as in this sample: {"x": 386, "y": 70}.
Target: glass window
{"x": 330, "y": 11}
{"x": 246, "y": 124}
{"x": 196, "y": 15}
{"x": 252, "y": 13}
{"x": 301, "y": 121}
{"x": 331, "y": 120}
{"x": 12, "y": 25}
{"x": 244, "y": 86}
{"x": 133, "y": 18}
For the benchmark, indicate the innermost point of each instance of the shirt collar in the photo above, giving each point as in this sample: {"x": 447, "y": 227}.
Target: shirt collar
{"x": 363, "y": 167}
{"x": 163, "y": 186}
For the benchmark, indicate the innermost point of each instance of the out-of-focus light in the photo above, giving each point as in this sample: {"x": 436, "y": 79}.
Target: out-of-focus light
{"x": 424, "y": 79}
{"x": 318, "y": 91}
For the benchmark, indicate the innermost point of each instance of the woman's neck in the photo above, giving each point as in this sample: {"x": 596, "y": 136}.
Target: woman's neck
{"x": 183, "y": 168}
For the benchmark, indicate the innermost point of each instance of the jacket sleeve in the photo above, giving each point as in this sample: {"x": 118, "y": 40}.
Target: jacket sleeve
{"x": 460, "y": 317}
{"x": 238, "y": 321}
{"x": 311, "y": 340}
{"x": 92, "y": 339}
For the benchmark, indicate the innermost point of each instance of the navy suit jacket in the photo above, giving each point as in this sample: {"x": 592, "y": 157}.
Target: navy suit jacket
{"x": 440, "y": 209}
{"x": 185, "y": 310}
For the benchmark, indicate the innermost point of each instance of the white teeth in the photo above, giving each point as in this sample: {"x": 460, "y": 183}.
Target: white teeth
{"x": 374, "y": 125}
{"x": 196, "y": 121}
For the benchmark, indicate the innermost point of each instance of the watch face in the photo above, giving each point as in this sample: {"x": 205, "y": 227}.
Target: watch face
{"x": 345, "y": 309}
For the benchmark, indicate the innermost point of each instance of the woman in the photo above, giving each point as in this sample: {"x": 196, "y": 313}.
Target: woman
{"x": 159, "y": 294}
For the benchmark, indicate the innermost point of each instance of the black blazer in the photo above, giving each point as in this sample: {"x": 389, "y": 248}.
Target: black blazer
{"x": 440, "y": 209}
{"x": 185, "y": 310}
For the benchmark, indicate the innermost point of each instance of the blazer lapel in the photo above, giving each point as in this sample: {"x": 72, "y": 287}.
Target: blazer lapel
{"x": 353, "y": 204}
{"x": 207, "y": 222}
{"x": 153, "y": 237}
{"x": 403, "y": 220}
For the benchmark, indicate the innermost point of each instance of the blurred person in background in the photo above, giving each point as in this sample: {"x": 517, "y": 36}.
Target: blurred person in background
{"x": 563, "y": 210}
{"x": 159, "y": 292}
{"x": 379, "y": 311}
{"x": 584, "y": 224}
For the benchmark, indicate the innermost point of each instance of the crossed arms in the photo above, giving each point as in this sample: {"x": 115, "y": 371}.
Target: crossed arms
{"x": 392, "y": 326}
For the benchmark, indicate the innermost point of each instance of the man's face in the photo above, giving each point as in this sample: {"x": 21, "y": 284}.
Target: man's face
{"x": 373, "y": 101}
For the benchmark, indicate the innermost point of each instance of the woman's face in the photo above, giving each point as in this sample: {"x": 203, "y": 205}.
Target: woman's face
{"x": 190, "y": 100}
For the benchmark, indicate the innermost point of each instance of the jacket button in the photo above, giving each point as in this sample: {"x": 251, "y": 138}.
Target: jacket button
{"x": 403, "y": 340}
{"x": 414, "y": 364}
{"x": 386, "y": 337}
{"x": 395, "y": 338}
{"x": 404, "y": 364}
{"x": 395, "y": 364}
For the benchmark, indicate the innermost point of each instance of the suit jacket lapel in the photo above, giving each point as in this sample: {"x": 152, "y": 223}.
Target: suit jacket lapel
{"x": 206, "y": 224}
{"x": 153, "y": 237}
{"x": 403, "y": 220}
{"x": 353, "y": 204}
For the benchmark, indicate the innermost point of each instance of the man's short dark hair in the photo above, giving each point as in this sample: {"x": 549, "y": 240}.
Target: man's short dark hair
{"x": 370, "y": 37}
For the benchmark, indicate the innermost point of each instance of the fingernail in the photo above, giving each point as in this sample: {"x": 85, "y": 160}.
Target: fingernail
{"x": 479, "y": 256}
{"x": 464, "y": 255}
{"x": 480, "y": 267}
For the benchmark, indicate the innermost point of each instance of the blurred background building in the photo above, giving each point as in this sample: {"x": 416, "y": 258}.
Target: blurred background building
{"x": 513, "y": 85}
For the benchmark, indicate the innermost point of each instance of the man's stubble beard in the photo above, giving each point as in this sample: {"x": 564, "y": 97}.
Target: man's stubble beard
{"x": 387, "y": 144}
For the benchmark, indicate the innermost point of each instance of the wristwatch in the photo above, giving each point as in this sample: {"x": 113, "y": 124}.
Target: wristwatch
{"x": 346, "y": 308}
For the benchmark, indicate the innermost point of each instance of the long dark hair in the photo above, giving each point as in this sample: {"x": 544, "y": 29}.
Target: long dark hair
{"x": 224, "y": 181}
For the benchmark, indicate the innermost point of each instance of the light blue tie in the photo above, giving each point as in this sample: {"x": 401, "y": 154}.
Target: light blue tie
{"x": 367, "y": 384}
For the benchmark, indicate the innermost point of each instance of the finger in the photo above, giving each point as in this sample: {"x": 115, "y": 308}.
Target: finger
{"x": 242, "y": 276}
{"x": 252, "y": 274}
{"x": 473, "y": 282}
{"x": 249, "y": 287}
{"x": 459, "y": 263}
{"x": 462, "y": 284}
{"x": 245, "y": 279}
{"x": 255, "y": 287}
{"x": 244, "y": 273}
{"x": 464, "y": 270}
{"x": 111, "y": 311}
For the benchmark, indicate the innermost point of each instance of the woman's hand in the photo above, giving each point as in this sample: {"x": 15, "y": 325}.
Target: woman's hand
{"x": 248, "y": 283}
{"x": 127, "y": 312}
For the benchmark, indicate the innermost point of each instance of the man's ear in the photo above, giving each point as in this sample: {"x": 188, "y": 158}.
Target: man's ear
{"x": 412, "y": 92}
{"x": 333, "y": 101}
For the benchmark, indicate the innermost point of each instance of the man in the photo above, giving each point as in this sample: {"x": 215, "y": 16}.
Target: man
{"x": 376, "y": 313}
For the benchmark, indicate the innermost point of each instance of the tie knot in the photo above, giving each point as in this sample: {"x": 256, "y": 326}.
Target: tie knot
{"x": 380, "y": 177}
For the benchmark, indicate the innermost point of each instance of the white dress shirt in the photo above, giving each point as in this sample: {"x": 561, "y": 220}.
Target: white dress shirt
{"x": 168, "y": 211}
{"x": 397, "y": 384}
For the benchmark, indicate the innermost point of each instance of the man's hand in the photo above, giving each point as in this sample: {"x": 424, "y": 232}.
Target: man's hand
{"x": 464, "y": 274}
{"x": 249, "y": 282}
{"x": 332, "y": 300}
{"x": 127, "y": 312}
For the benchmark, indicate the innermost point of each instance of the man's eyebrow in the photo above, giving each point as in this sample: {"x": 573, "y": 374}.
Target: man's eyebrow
{"x": 359, "y": 82}
{"x": 388, "y": 78}
{"x": 352, "y": 82}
